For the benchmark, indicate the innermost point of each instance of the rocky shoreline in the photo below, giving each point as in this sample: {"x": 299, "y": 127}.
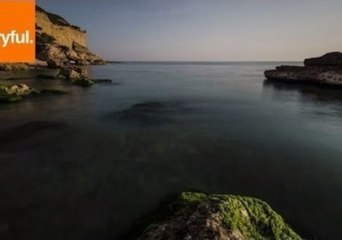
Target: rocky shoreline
{"x": 325, "y": 71}
{"x": 61, "y": 53}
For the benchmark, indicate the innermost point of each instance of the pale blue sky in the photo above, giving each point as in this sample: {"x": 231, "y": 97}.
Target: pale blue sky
{"x": 206, "y": 30}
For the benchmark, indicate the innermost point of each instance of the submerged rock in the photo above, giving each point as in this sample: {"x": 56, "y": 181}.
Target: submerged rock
{"x": 326, "y": 70}
{"x": 96, "y": 81}
{"x": 46, "y": 76}
{"x": 83, "y": 82}
{"x": 149, "y": 113}
{"x": 30, "y": 129}
{"x": 221, "y": 217}
{"x": 51, "y": 92}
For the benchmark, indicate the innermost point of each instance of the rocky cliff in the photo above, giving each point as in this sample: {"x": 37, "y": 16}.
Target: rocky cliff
{"x": 60, "y": 43}
{"x": 324, "y": 70}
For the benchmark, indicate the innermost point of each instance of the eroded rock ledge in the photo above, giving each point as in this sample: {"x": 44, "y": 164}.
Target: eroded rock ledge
{"x": 221, "y": 217}
{"x": 60, "y": 43}
{"x": 325, "y": 70}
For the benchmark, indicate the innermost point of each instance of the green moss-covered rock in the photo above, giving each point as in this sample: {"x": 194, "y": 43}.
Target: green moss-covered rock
{"x": 201, "y": 216}
{"x": 15, "y": 93}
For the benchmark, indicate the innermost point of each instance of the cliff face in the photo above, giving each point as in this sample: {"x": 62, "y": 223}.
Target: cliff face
{"x": 59, "y": 43}
{"x": 64, "y": 33}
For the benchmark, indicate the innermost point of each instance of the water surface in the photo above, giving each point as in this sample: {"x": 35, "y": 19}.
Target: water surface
{"x": 230, "y": 132}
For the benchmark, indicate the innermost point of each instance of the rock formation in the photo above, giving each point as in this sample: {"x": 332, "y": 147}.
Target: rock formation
{"x": 325, "y": 70}
{"x": 60, "y": 43}
{"x": 18, "y": 92}
{"x": 15, "y": 93}
{"x": 221, "y": 217}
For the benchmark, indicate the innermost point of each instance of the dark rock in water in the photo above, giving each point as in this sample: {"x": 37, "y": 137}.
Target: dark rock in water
{"x": 30, "y": 129}
{"x": 150, "y": 113}
{"x": 43, "y": 76}
{"x": 83, "y": 82}
{"x": 326, "y": 70}
{"x": 329, "y": 59}
{"x": 53, "y": 92}
{"x": 96, "y": 81}
{"x": 222, "y": 217}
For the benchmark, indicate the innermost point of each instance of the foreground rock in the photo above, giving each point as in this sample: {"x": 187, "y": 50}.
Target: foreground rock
{"x": 325, "y": 70}
{"x": 221, "y": 217}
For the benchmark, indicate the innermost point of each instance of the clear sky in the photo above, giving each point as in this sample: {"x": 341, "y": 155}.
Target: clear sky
{"x": 206, "y": 30}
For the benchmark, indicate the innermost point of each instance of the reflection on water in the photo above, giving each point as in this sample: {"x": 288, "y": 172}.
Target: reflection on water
{"x": 87, "y": 174}
{"x": 330, "y": 98}
{"x": 312, "y": 92}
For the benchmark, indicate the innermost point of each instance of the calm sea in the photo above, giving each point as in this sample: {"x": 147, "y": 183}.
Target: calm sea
{"x": 91, "y": 174}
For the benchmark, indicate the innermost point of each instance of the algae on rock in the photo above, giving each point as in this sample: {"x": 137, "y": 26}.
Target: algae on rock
{"x": 226, "y": 217}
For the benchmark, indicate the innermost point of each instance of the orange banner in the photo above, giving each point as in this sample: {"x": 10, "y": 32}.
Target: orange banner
{"x": 17, "y": 31}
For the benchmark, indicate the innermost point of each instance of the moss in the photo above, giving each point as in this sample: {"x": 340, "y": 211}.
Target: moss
{"x": 243, "y": 217}
{"x": 254, "y": 218}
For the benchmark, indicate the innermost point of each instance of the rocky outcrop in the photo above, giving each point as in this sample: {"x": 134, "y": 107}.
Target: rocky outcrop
{"x": 221, "y": 217}
{"x": 329, "y": 59}
{"x": 15, "y": 93}
{"x": 60, "y": 43}
{"x": 325, "y": 70}
{"x": 77, "y": 75}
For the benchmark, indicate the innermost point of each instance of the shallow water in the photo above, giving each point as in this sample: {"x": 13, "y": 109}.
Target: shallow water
{"x": 230, "y": 132}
